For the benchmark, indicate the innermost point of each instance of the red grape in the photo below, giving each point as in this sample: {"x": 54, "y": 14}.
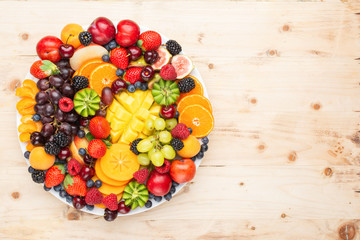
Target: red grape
{"x": 56, "y": 81}
{"x": 41, "y": 97}
{"x": 48, "y": 110}
{"x": 47, "y": 130}
{"x": 106, "y": 96}
{"x": 43, "y": 84}
{"x": 66, "y": 128}
{"x": 55, "y": 96}
{"x": 67, "y": 90}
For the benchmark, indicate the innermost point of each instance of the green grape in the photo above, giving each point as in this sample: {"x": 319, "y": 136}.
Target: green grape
{"x": 157, "y": 158}
{"x": 143, "y": 159}
{"x": 144, "y": 146}
{"x": 165, "y": 137}
{"x": 170, "y": 123}
{"x": 159, "y": 124}
{"x": 151, "y": 152}
{"x": 149, "y": 124}
{"x": 152, "y": 139}
{"x": 168, "y": 152}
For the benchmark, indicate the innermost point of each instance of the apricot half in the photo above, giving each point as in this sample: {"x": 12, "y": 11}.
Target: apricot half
{"x": 40, "y": 160}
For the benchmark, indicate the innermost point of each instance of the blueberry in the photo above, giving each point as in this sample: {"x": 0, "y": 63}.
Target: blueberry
{"x": 62, "y": 193}
{"x": 36, "y": 117}
{"x": 46, "y": 188}
{"x": 148, "y": 204}
{"x": 106, "y": 46}
{"x": 151, "y": 196}
{"x": 204, "y": 147}
{"x": 90, "y": 183}
{"x": 98, "y": 183}
{"x": 112, "y": 44}
{"x": 144, "y": 86}
{"x": 172, "y": 190}
{"x": 89, "y": 207}
{"x": 69, "y": 198}
{"x": 31, "y": 169}
{"x": 57, "y": 188}
{"x": 193, "y": 158}
{"x": 131, "y": 88}
{"x": 177, "y": 114}
{"x": 137, "y": 84}
{"x": 175, "y": 184}
{"x": 82, "y": 151}
{"x": 205, "y": 140}
{"x": 157, "y": 198}
{"x": 190, "y": 130}
{"x": 65, "y": 167}
{"x": 27, "y": 154}
{"x": 81, "y": 133}
{"x": 168, "y": 196}
{"x": 105, "y": 58}
{"x": 119, "y": 72}
{"x": 59, "y": 161}
{"x": 200, "y": 155}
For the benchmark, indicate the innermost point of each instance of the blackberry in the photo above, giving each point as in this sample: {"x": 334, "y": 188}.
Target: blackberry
{"x": 61, "y": 139}
{"x": 85, "y": 38}
{"x": 173, "y": 47}
{"x": 80, "y": 82}
{"x": 52, "y": 148}
{"x": 38, "y": 176}
{"x": 177, "y": 144}
{"x": 134, "y": 145}
{"x": 186, "y": 85}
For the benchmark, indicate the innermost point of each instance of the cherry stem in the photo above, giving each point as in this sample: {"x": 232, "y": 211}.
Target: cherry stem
{"x": 68, "y": 38}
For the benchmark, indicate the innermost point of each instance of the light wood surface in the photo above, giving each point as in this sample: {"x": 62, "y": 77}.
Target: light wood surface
{"x": 284, "y": 156}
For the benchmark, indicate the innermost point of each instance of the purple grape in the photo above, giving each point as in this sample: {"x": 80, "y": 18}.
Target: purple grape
{"x": 106, "y": 96}
{"x": 63, "y": 63}
{"x": 43, "y": 84}
{"x": 41, "y": 98}
{"x": 67, "y": 90}
{"x": 72, "y": 71}
{"x": 55, "y": 96}
{"x": 56, "y": 81}
{"x": 74, "y": 129}
{"x": 65, "y": 128}
{"x": 47, "y": 130}
{"x": 65, "y": 73}
{"x": 101, "y": 112}
{"x": 60, "y": 115}
{"x": 39, "y": 109}
{"x": 72, "y": 117}
{"x": 50, "y": 139}
{"x": 48, "y": 110}
{"x": 45, "y": 120}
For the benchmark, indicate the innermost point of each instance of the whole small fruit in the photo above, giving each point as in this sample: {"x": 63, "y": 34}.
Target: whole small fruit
{"x": 48, "y": 48}
{"x": 118, "y": 85}
{"x": 159, "y": 184}
{"x": 86, "y": 173}
{"x": 99, "y": 127}
{"x": 102, "y": 30}
{"x": 66, "y": 50}
{"x": 128, "y": 33}
{"x": 135, "y": 53}
{"x": 147, "y": 73}
{"x": 168, "y": 112}
{"x": 183, "y": 170}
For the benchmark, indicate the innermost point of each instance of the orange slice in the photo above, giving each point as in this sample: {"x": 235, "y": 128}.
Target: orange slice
{"x": 193, "y": 100}
{"x": 102, "y": 76}
{"x": 86, "y": 69}
{"x": 199, "y": 119}
{"x": 108, "y": 189}
{"x": 197, "y": 90}
{"x": 105, "y": 179}
{"x": 119, "y": 163}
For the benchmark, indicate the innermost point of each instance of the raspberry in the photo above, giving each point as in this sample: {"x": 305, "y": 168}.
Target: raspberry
{"x": 110, "y": 201}
{"x": 66, "y": 104}
{"x": 73, "y": 167}
{"x": 141, "y": 175}
{"x": 168, "y": 72}
{"x": 180, "y": 131}
{"x": 164, "y": 168}
{"x": 93, "y": 197}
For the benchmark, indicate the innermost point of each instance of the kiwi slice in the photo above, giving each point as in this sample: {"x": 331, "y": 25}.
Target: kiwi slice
{"x": 86, "y": 102}
{"x": 165, "y": 92}
{"x": 135, "y": 195}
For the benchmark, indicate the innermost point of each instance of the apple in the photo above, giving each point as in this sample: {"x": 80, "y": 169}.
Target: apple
{"x": 128, "y": 33}
{"x": 48, "y": 48}
{"x": 182, "y": 170}
{"x": 159, "y": 184}
{"x": 102, "y": 30}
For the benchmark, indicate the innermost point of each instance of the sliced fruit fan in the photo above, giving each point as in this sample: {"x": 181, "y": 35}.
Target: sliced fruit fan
{"x": 114, "y": 120}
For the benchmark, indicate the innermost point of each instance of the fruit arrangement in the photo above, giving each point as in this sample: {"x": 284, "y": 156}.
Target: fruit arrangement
{"x": 112, "y": 118}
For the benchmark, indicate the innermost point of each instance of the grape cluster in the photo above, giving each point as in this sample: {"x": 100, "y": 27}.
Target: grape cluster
{"x": 156, "y": 148}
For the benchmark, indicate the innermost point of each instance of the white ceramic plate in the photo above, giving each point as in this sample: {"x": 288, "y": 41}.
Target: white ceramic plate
{"x": 100, "y": 211}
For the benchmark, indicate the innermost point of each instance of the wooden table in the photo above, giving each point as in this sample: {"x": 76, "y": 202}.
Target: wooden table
{"x": 284, "y": 156}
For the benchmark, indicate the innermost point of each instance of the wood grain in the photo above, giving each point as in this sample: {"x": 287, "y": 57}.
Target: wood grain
{"x": 284, "y": 156}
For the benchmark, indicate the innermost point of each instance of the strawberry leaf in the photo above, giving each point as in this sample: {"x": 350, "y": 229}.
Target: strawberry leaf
{"x": 89, "y": 136}
{"x": 61, "y": 168}
{"x": 68, "y": 181}
{"x": 107, "y": 143}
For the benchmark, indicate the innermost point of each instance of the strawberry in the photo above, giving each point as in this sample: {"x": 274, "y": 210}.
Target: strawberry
{"x": 110, "y": 201}
{"x": 99, "y": 127}
{"x": 164, "y": 168}
{"x": 119, "y": 57}
{"x": 93, "y": 197}
{"x": 141, "y": 175}
{"x": 132, "y": 75}
{"x": 180, "y": 131}
{"x": 54, "y": 175}
{"x": 43, "y": 68}
{"x": 73, "y": 167}
{"x": 168, "y": 72}
{"x": 149, "y": 40}
{"x": 97, "y": 148}
{"x": 75, "y": 186}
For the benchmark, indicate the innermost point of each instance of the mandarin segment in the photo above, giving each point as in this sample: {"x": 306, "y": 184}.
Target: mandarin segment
{"x": 40, "y": 160}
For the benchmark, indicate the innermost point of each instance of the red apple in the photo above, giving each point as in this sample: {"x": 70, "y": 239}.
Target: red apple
{"x": 159, "y": 184}
{"x": 128, "y": 33}
{"x": 48, "y": 48}
{"x": 102, "y": 30}
{"x": 183, "y": 170}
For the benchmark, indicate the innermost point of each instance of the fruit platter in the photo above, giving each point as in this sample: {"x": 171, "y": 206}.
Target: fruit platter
{"x": 112, "y": 120}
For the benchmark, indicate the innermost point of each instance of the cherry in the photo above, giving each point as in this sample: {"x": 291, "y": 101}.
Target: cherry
{"x": 118, "y": 85}
{"x": 151, "y": 56}
{"x": 86, "y": 173}
{"x": 78, "y": 202}
{"x": 88, "y": 159}
{"x": 168, "y": 112}
{"x": 147, "y": 73}
{"x": 123, "y": 209}
{"x": 135, "y": 53}
{"x": 66, "y": 50}
{"x": 110, "y": 215}
{"x": 64, "y": 153}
